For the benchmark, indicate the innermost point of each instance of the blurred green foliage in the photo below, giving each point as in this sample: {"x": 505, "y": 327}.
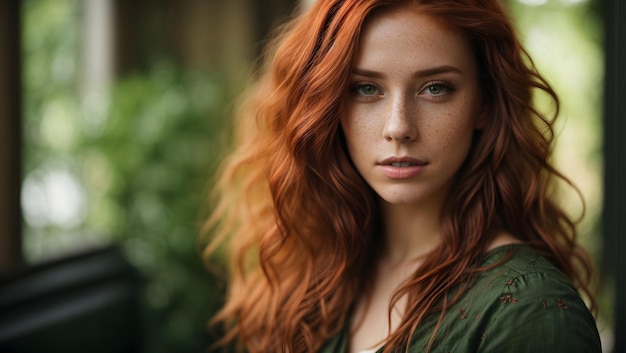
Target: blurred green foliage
{"x": 157, "y": 150}
{"x": 139, "y": 157}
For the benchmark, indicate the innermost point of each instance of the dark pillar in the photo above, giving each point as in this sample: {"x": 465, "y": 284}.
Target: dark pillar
{"x": 10, "y": 135}
{"x": 614, "y": 224}
{"x": 269, "y": 15}
{"x": 128, "y": 17}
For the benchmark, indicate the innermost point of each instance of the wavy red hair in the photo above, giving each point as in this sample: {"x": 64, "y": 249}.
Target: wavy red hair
{"x": 300, "y": 224}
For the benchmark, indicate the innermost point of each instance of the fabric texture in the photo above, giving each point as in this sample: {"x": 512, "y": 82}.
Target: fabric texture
{"x": 525, "y": 305}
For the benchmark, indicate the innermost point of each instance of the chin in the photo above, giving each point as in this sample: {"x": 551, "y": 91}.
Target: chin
{"x": 400, "y": 199}
{"x": 403, "y": 196}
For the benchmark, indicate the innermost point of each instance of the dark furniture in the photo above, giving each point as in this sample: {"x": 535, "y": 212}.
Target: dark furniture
{"x": 84, "y": 303}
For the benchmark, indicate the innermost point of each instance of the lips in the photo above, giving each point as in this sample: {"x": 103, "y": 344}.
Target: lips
{"x": 401, "y": 167}
{"x": 401, "y": 162}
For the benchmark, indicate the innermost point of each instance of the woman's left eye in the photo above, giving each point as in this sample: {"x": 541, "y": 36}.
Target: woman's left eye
{"x": 438, "y": 89}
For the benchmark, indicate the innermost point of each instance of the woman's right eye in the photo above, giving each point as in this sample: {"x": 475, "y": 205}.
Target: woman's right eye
{"x": 366, "y": 90}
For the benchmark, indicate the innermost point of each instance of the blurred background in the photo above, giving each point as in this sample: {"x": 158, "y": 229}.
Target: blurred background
{"x": 114, "y": 116}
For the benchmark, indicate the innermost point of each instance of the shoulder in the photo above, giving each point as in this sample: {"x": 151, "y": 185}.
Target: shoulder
{"x": 526, "y": 304}
{"x": 518, "y": 269}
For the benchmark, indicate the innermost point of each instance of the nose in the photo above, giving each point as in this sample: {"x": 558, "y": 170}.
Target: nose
{"x": 400, "y": 125}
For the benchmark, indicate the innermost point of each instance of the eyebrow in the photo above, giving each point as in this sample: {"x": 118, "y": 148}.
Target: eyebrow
{"x": 421, "y": 73}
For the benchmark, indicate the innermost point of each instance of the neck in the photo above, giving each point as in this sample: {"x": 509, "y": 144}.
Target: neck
{"x": 410, "y": 231}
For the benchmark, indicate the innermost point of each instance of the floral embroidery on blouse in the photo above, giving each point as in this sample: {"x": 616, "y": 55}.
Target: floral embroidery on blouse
{"x": 508, "y": 298}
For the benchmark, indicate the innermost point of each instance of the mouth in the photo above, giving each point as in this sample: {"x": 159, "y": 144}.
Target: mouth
{"x": 401, "y": 167}
{"x": 401, "y": 162}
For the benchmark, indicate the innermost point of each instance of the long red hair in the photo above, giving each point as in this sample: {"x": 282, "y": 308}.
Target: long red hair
{"x": 299, "y": 225}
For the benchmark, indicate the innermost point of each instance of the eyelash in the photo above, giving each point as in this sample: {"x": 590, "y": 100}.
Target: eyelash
{"x": 356, "y": 88}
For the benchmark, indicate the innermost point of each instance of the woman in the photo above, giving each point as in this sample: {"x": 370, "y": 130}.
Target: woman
{"x": 390, "y": 191}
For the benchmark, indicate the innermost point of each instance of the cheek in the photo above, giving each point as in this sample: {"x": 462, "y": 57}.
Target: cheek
{"x": 357, "y": 129}
{"x": 355, "y": 140}
{"x": 351, "y": 135}
{"x": 453, "y": 134}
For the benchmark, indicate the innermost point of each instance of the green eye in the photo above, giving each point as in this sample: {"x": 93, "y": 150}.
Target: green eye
{"x": 438, "y": 89}
{"x": 435, "y": 89}
{"x": 367, "y": 90}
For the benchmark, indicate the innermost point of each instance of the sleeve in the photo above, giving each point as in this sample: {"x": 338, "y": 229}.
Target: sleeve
{"x": 537, "y": 313}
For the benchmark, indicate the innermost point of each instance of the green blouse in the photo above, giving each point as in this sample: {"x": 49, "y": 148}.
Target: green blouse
{"x": 523, "y": 305}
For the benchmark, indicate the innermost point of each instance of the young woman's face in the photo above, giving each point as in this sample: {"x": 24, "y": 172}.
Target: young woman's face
{"x": 413, "y": 104}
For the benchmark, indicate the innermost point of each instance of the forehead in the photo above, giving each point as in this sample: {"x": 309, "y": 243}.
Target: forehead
{"x": 407, "y": 36}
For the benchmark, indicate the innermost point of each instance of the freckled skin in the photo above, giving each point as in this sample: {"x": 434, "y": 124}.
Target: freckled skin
{"x": 395, "y": 107}
{"x": 413, "y": 93}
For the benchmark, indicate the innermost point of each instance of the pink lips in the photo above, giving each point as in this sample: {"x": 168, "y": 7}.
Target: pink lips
{"x": 401, "y": 167}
